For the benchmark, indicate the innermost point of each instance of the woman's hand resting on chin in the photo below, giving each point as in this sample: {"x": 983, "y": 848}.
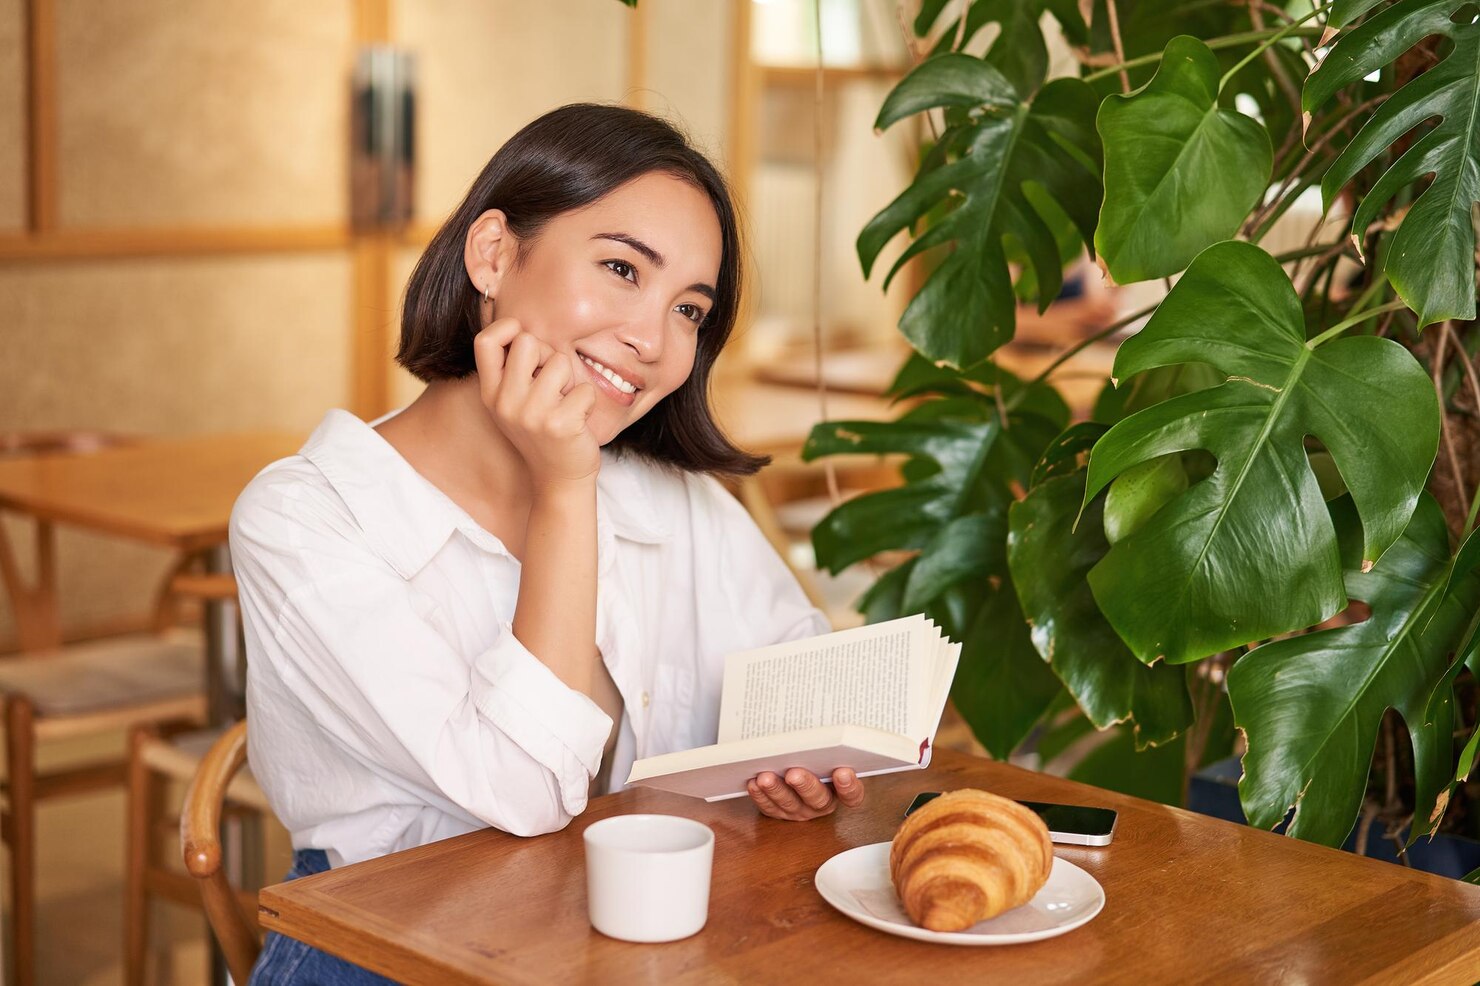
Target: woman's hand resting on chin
{"x": 800, "y": 795}
{"x": 526, "y": 386}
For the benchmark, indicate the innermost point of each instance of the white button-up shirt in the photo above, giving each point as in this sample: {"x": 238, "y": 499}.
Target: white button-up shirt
{"x": 390, "y": 703}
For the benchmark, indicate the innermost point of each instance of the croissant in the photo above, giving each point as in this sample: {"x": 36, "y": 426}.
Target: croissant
{"x": 967, "y": 856}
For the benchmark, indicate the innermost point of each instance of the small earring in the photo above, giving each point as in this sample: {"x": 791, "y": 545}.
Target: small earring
{"x": 485, "y": 292}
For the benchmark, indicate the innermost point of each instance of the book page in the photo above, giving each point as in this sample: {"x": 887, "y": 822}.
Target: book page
{"x": 860, "y": 677}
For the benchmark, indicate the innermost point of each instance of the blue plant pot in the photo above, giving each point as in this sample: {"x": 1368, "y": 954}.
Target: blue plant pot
{"x": 1214, "y": 792}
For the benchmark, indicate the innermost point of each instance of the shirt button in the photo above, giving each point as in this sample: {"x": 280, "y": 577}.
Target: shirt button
{"x": 645, "y": 700}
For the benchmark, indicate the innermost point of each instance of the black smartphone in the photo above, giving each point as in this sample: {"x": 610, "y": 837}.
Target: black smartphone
{"x": 1070, "y": 825}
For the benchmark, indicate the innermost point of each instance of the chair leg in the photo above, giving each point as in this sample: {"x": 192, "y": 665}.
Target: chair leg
{"x": 141, "y": 802}
{"x": 20, "y": 748}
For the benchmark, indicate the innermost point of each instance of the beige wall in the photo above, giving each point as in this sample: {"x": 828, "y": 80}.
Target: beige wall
{"x": 202, "y": 113}
{"x": 197, "y": 114}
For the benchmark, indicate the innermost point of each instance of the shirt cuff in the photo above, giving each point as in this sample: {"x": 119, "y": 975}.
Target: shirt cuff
{"x": 562, "y": 729}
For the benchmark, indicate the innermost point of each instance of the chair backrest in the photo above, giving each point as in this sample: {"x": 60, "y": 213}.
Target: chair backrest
{"x": 200, "y": 838}
{"x": 38, "y": 624}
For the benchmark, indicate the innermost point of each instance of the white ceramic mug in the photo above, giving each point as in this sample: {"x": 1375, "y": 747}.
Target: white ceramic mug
{"x": 647, "y": 876}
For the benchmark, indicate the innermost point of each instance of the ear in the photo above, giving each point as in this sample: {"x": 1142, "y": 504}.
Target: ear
{"x": 489, "y": 251}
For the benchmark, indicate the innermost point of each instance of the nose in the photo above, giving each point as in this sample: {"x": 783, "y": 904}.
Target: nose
{"x": 645, "y": 337}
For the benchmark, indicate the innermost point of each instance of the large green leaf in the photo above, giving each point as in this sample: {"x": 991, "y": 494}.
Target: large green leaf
{"x": 1311, "y": 705}
{"x": 1002, "y": 686}
{"x": 1250, "y": 552}
{"x": 908, "y": 516}
{"x": 1432, "y": 789}
{"x": 1431, "y": 261}
{"x": 1049, "y": 559}
{"x": 1181, "y": 172}
{"x": 983, "y": 169}
{"x": 1018, "y": 50}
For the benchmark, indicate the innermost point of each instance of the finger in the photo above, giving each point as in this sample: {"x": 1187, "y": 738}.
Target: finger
{"x": 779, "y": 792}
{"x": 812, "y": 791}
{"x": 581, "y": 400}
{"x": 763, "y": 802}
{"x": 524, "y": 358}
{"x": 489, "y": 353}
{"x": 848, "y": 787}
{"x": 550, "y": 384}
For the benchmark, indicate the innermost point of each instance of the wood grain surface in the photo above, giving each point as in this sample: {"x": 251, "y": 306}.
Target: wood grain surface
{"x": 1188, "y": 899}
{"x": 176, "y": 492}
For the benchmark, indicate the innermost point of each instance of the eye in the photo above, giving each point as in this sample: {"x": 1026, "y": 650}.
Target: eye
{"x": 693, "y": 313}
{"x": 622, "y": 269}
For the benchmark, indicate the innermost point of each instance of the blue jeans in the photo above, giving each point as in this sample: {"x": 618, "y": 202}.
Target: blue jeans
{"x": 288, "y": 962}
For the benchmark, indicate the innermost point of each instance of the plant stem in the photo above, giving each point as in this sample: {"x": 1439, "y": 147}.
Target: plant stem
{"x": 817, "y": 181}
{"x": 1125, "y": 77}
{"x": 1291, "y": 92}
{"x": 1282, "y": 32}
{"x": 1075, "y": 349}
{"x": 1227, "y": 41}
{"x": 1474, "y": 382}
{"x": 1265, "y": 219}
{"x": 1347, "y": 323}
{"x": 1446, "y": 432}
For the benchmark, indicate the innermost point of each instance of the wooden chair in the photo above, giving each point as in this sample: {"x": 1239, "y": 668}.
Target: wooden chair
{"x": 233, "y": 915}
{"x": 54, "y": 691}
{"x": 155, "y": 760}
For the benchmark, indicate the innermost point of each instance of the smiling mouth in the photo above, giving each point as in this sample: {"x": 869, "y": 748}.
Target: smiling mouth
{"x": 611, "y": 376}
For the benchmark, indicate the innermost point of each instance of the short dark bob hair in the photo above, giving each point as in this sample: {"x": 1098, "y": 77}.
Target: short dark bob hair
{"x": 565, "y": 160}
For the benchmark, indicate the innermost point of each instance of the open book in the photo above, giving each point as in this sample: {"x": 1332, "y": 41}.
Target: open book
{"x": 869, "y": 698}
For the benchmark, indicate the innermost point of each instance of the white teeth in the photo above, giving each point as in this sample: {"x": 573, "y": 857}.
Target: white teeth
{"x": 616, "y": 380}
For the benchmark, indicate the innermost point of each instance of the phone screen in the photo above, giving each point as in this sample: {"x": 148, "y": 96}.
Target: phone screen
{"x": 1073, "y": 824}
{"x": 1076, "y": 819}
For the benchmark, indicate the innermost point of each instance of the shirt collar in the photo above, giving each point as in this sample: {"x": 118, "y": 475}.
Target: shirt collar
{"x": 407, "y": 520}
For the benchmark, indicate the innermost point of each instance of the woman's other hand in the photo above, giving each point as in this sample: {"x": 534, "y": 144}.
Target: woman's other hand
{"x": 800, "y": 795}
{"x": 528, "y": 389}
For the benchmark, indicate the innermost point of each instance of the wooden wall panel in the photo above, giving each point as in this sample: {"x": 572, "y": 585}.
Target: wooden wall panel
{"x": 487, "y": 67}
{"x": 12, "y": 116}
{"x": 175, "y": 345}
{"x": 404, "y": 388}
{"x": 202, "y": 114}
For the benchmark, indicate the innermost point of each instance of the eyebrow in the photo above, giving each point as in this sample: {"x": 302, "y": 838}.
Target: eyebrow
{"x": 653, "y": 257}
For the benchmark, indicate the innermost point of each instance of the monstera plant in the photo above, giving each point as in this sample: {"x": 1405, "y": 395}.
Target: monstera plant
{"x": 1266, "y": 527}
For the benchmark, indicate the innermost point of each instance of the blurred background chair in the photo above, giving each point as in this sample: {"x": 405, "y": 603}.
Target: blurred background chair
{"x": 233, "y": 915}
{"x": 157, "y": 761}
{"x": 54, "y": 691}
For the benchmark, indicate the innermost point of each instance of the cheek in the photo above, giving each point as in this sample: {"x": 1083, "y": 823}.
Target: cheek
{"x": 683, "y": 349}
{"x": 562, "y": 310}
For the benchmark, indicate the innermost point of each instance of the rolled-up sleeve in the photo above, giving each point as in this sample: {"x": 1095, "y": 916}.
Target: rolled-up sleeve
{"x": 495, "y": 733}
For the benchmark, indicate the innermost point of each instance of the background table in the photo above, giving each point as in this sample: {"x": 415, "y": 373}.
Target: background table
{"x": 1188, "y": 898}
{"x": 173, "y": 492}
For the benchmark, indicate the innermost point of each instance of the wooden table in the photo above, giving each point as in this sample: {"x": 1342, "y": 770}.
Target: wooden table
{"x": 172, "y": 492}
{"x": 871, "y": 371}
{"x": 1189, "y": 898}
{"x": 775, "y": 419}
{"x": 176, "y": 492}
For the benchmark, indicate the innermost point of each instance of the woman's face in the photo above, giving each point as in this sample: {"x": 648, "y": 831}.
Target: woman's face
{"x": 622, "y": 287}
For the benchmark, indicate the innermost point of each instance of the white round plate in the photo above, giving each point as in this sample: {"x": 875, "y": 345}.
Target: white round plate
{"x": 857, "y": 883}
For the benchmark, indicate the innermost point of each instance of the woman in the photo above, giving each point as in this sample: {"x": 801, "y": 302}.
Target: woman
{"x": 483, "y": 608}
